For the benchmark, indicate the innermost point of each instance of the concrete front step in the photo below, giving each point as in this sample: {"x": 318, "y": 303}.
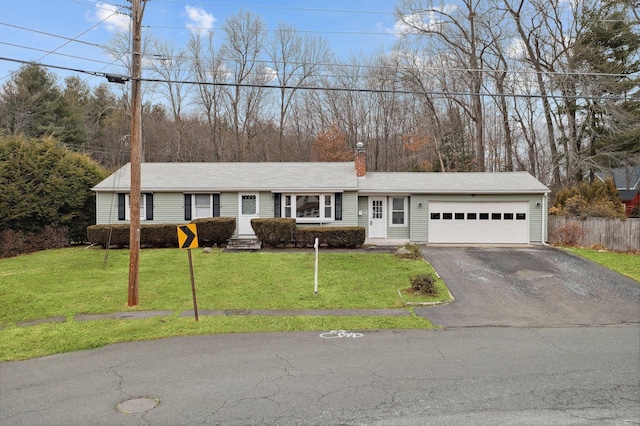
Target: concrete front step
{"x": 244, "y": 244}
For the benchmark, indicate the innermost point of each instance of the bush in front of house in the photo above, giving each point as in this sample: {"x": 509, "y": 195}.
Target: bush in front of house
{"x": 115, "y": 235}
{"x": 274, "y": 232}
{"x": 161, "y": 235}
{"x": 215, "y": 231}
{"x": 424, "y": 284}
{"x": 211, "y": 231}
{"x": 330, "y": 236}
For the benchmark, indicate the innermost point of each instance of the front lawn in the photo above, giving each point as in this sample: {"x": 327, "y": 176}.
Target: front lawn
{"x": 624, "y": 263}
{"x": 72, "y": 281}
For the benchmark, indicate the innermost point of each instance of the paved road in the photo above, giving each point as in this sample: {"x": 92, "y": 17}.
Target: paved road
{"x": 480, "y": 376}
{"x": 529, "y": 286}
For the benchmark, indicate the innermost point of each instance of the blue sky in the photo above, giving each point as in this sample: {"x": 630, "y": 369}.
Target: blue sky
{"x": 349, "y": 26}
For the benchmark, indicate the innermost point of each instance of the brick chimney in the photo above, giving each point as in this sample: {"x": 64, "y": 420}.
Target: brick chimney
{"x": 361, "y": 160}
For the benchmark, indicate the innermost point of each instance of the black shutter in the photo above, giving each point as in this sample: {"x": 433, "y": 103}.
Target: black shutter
{"x": 149, "y": 206}
{"x": 338, "y": 199}
{"x": 121, "y": 207}
{"x": 187, "y": 206}
{"x": 216, "y": 205}
{"x": 277, "y": 205}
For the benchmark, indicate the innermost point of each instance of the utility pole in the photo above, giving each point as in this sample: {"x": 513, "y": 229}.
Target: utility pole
{"x": 137, "y": 11}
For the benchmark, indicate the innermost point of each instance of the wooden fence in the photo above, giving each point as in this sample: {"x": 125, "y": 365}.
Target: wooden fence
{"x": 613, "y": 234}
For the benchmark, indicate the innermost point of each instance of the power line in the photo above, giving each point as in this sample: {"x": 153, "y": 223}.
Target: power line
{"x": 262, "y": 6}
{"x": 56, "y": 53}
{"x": 69, "y": 40}
{"x": 331, "y": 89}
{"x": 56, "y": 35}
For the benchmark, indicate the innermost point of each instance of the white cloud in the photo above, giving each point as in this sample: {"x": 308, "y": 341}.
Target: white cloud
{"x": 516, "y": 49}
{"x": 199, "y": 21}
{"x": 112, "y": 19}
{"x": 270, "y": 74}
{"x": 415, "y": 23}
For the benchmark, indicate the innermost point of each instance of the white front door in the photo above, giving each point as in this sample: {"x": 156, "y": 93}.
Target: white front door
{"x": 377, "y": 217}
{"x": 248, "y": 209}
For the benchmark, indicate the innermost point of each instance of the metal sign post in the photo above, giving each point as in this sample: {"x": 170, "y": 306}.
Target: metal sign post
{"x": 193, "y": 287}
{"x": 188, "y": 239}
{"x": 315, "y": 289}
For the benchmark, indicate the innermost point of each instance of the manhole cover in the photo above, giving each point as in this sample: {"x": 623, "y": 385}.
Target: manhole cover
{"x": 137, "y": 405}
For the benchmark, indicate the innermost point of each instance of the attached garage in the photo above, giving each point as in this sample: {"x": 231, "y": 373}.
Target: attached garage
{"x": 479, "y": 222}
{"x": 455, "y": 208}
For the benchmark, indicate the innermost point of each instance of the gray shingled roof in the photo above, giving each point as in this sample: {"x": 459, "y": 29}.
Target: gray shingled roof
{"x": 293, "y": 177}
{"x": 166, "y": 177}
{"x": 451, "y": 183}
{"x": 624, "y": 177}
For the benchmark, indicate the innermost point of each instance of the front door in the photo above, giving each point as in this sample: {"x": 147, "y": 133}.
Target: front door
{"x": 377, "y": 224}
{"x": 248, "y": 209}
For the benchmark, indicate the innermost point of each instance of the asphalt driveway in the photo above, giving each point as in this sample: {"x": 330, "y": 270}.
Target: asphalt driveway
{"x": 528, "y": 286}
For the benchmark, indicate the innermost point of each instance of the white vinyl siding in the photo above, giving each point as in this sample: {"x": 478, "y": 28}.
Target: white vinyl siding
{"x": 419, "y": 219}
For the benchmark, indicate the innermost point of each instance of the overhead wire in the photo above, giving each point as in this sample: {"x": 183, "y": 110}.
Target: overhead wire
{"x": 268, "y": 62}
{"x": 336, "y": 89}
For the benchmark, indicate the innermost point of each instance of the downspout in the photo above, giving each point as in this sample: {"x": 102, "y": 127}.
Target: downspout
{"x": 545, "y": 219}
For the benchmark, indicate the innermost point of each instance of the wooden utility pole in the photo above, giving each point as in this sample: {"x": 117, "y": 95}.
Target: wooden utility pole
{"x": 136, "y": 151}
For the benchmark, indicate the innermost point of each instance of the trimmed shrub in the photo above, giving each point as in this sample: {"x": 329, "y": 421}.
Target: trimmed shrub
{"x": 158, "y": 235}
{"x": 424, "y": 284}
{"x": 214, "y": 231}
{"x": 331, "y": 236}
{"x": 116, "y": 235}
{"x": 274, "y": 231}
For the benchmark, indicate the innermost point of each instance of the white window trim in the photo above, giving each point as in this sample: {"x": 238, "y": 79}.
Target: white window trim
{"x": 321, "y": 196}
{"x": 193, "y": 206}
{"x": 143, "y": 207}
{"x": 405, "y": 211}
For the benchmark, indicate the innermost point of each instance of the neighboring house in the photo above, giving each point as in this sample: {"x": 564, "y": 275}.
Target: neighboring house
{"x": 627, "y": 180}
{"x": 394, "y": 208}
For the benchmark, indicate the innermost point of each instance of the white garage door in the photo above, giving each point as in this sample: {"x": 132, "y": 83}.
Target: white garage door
{"x": 479, "y": 222}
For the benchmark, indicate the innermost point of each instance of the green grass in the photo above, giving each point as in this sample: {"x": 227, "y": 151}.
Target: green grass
{"x": 72, "y": 281}
{"x": 624, "y": 263}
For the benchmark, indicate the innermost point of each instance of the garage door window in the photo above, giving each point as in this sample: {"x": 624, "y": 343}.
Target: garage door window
{"x": 435, "y": 216}
{"x": 472, "y": 216}
{"x": 447, "y": 216}
{"x": 459, "y": 216}
{"x": 496, "y": 216}
{"x": 521, "y": 216}
{"x": 484, "y": 216}
{"x": 508, "y": 216}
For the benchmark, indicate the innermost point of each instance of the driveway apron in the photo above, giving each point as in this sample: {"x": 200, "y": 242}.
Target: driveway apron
{"x": 528, "y": 286}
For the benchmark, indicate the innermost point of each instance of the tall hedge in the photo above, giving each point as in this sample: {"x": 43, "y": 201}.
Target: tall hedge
{"x": 43, "y": 183}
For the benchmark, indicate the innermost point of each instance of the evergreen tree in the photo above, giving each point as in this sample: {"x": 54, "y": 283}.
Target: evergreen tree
{"x": 42, "y": 182}
{"x": 30, "y": 103}
{"x": 609, "y": 49}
